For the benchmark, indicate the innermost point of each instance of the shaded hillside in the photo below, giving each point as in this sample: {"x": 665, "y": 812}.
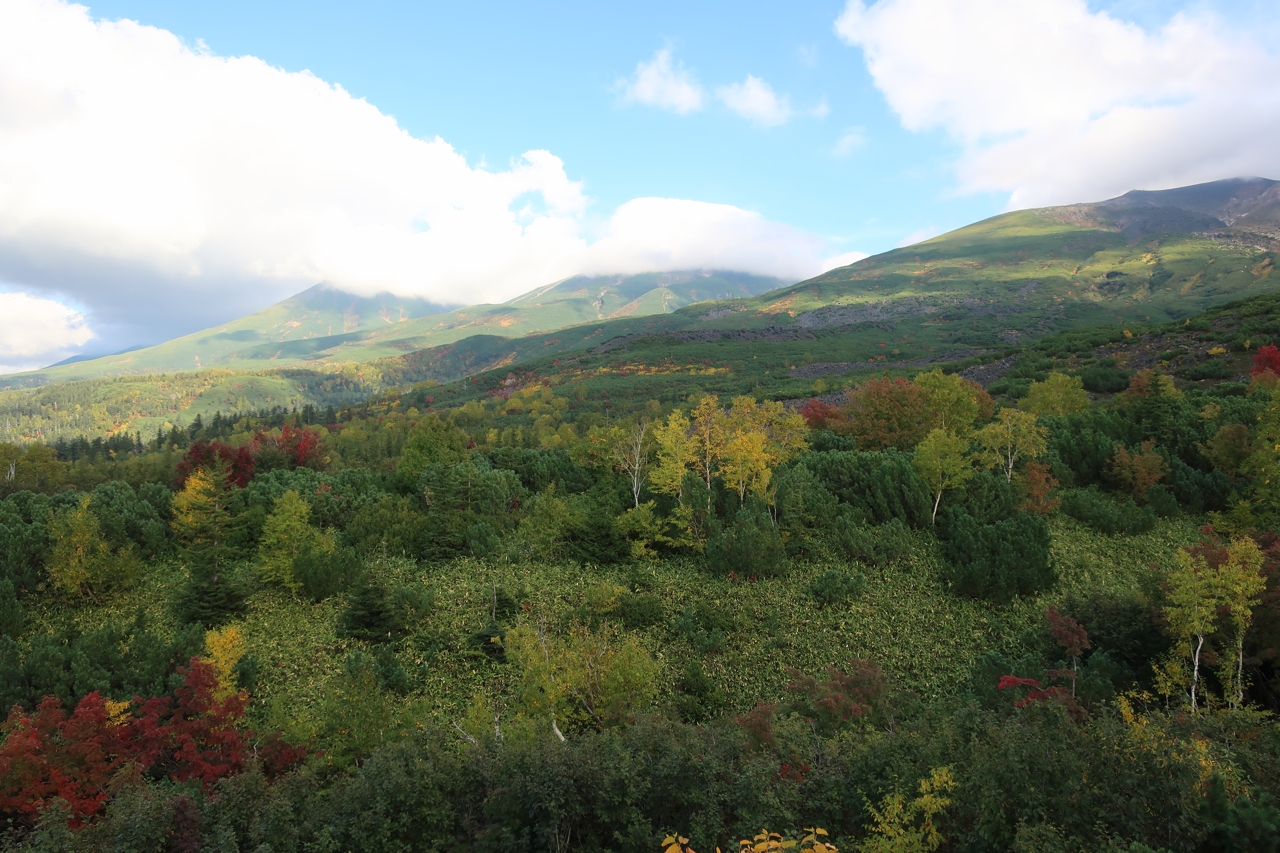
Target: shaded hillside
{"x": 1005, "y": 281}
{"x": 978, "y": 294}
{"x": 320, "y": 326}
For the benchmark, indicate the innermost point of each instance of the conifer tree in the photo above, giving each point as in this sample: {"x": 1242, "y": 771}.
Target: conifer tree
{"x": 204, "y": 524}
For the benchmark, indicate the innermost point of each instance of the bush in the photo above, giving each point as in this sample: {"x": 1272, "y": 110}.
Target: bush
{"x": 1162, "y": 502}
{"x": 1111, "y": 517}
{"x": 748, "y": 545}
{"x": 1212, "y": 369}
{"x": 389, "y": 526}
{"x": 703, "y": 627}
{"x": 871, "y": 546}
{"x": 880, "y": 486}
{"x": 996, "y": 562}
{"x": 482, "y": 540}
{"x": 805, "y": 508}
{"x": 987, "y": 496}
{"x": 1104, "y": 380}
{"x": 639, "y": 609}
{"x": 834, "y": 587}
{"x": 322, "y": 573}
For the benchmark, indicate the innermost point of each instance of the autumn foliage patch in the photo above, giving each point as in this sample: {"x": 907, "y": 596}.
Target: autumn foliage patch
{"x": 78, "y": 758}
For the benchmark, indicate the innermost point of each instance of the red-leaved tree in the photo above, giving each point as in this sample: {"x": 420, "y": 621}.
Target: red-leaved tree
{"x": 1266, "y": 358}
{"x": 885, "y": 413}
{"x": 193, "y": 735}
{"x": 819, "y": 414}
{"x": 294, "y": 447}
{"x": 239, "y": 462}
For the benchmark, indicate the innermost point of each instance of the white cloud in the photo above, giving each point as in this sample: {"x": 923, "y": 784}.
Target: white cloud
{"x": 843, "y": 260}
{"x": 167, "y": 189}
{"x": 659, "y": 83}
{"x": 671, "y": 234}
{"x": 851, "y": 140}
{"x": 1053, "y": 102}
{"x": 755, "y": 100}
{"x": 36, "y": 331}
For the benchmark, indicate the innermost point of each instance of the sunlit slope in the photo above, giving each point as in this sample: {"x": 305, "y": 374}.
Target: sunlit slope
{"x": 1003, "y": 281}
{"x": 322, "y": 326}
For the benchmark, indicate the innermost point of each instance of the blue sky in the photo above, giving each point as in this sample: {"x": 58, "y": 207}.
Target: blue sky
{"x": 495, "y": 80}
{"x": 166, "y": 176}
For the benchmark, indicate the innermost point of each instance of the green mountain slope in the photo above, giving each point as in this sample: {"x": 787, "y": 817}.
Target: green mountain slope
{"x": 1142, "y": 259}
{"x": 1013, "y": 278}
{"x": 321, "y": 326}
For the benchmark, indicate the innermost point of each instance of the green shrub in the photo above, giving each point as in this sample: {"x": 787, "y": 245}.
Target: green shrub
{"x": 996, "y": 562}
{"x": 1104, "y": 380}
{"x": 639, "y": 609}
{"x": 1162, "y": 502}
{"x": 835, "y": 587}
{"x": 1213, "y": 369}
{"x": 1107, "y": 516}
{"x": 482, "y": 540}
{"x": 805, "y": 510}
{"x": 871, "y": 546}
{"x": 703, "y": 626}
{"x": 880, "y": 486}
{"x": 321, "y": 574}
{"x": 748, "y": 545}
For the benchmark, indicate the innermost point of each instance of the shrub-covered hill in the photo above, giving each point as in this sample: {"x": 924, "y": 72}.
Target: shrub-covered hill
{"x": 540, "y": 623}
{"x": 741, "y": 636}
{"x": 324, "y": 328}
{"x": 983, "y": 291}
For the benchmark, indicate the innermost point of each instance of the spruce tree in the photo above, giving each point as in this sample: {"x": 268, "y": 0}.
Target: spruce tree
{"x": 204, "y": 524}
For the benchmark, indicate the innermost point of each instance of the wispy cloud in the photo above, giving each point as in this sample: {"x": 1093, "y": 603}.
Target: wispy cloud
{"x": 755, "y": 100}
{"x": 663, "y": 84}
{"x": 851, "y": 140}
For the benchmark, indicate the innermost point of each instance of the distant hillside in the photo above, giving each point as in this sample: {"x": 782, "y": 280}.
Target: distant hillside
{"x": 322, "y": 326}
{"x": 1141, "y": 260}
{"x": 1145, "y": 257}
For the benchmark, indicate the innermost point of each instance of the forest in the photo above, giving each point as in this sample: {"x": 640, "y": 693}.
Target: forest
{"x": 629, "y": 609}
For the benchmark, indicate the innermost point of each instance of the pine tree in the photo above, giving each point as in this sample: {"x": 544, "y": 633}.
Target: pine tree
{"x": 369, "y": 615}
{"x": 204, "y": 524}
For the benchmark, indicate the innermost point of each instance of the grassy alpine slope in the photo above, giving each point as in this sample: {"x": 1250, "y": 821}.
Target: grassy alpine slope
{"x": 321, "y": 327}
{"x": 481, "y": 633}
{"x": 1137, "y": 261}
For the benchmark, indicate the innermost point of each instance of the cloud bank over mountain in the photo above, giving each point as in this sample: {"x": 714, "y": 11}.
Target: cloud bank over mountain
{"x": 1053, "y": 102}
{"x": 160, "y": 184}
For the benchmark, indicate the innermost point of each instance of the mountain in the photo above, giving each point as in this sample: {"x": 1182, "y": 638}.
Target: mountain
{"x": 1142, "y": 258}
{"x": 980, "y": 292}
{"x": 322, "y": 326}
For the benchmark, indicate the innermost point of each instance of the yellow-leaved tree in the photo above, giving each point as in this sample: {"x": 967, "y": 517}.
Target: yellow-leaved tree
{"x": 758, "y": 438}
{"x": 674, "y": 454}
{"x": 82, "y": 562}
{"x": 942, "y": 460}
{"x": 1012, "y": 438}
{"x": 1059, "y": 394}
{"x": 582, "y": 678}
{"x": 286, "y": 533}
{"x": 226, "y": 648}
{"x": 907, "y": 826}
{"x": 953, "y": 402}
{"x": 1216, "y": 592}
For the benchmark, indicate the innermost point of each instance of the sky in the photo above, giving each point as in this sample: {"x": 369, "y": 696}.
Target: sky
{"x": 167, "y": 166}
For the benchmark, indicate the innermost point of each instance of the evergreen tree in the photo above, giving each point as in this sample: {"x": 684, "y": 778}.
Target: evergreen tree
{"x": 204, "y": 526}
{"x": 369, "y": 614}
